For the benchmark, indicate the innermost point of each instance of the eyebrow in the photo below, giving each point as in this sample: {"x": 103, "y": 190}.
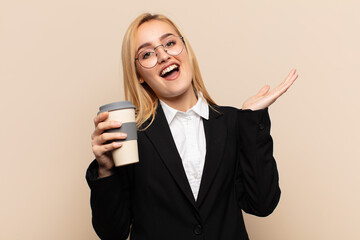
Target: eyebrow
{"x": 147, "y": 44}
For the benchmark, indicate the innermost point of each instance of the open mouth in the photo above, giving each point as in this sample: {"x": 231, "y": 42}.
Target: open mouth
{"x": 170, "y": 71}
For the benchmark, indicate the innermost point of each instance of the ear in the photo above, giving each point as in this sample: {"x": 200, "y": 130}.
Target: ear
{"x": 140, "y": 80}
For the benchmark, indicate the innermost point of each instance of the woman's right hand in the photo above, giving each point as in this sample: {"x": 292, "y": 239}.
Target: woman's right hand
{"x": 100, "y": 148}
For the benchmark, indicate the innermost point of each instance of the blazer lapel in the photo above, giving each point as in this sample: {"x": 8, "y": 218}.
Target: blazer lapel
{"x": 160, "y": 135}
{"x": 215, "y": 133}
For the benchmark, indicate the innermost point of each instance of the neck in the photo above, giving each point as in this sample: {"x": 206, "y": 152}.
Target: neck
{"x": 183, "y": 102}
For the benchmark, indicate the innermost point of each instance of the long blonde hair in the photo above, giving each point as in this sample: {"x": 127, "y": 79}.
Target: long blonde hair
{"x": 141, "y": 95}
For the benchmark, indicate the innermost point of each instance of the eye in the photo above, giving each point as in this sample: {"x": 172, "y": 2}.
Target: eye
{"x": 146, "y": 54}
{"x": 170, "y": 43}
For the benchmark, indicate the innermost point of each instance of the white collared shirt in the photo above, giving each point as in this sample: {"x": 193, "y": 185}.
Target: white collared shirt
{"x": 188, "y": 133}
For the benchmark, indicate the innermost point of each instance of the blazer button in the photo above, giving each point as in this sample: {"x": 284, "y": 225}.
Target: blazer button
{"x": 261, "y": 126}
{"x": 198, "y": 229}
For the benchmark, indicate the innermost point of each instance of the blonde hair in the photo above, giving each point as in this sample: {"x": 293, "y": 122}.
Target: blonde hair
{"x": 141, "y": 95}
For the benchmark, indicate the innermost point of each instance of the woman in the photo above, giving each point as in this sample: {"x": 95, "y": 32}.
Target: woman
{"x": 200, "y": 164}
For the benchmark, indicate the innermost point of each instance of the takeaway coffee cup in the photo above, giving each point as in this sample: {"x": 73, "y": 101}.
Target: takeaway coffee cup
{"x": 123, "y": 112}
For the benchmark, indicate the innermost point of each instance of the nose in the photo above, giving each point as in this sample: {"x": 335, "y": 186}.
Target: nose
{"x": 161, "y": 54}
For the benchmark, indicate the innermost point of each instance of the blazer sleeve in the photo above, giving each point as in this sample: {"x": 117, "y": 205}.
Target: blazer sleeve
{"x": 110, "y": 203}
{"x": 257, "y": 180}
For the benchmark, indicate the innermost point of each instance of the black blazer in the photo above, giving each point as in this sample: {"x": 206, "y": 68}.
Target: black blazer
{"x": 155, "y": 197}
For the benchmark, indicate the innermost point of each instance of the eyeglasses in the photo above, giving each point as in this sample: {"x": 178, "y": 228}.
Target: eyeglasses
{"x": 173, "y": 46}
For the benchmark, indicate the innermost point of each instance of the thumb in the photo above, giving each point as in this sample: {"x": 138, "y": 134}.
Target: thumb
{"x": 265, "y": 89}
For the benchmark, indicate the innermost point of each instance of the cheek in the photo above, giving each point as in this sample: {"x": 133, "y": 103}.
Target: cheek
{"x": 142, "y": 74}
{"x": 149, "y": 77}
{"x": 188, "y": 69}
{"x": 187, "y": 62}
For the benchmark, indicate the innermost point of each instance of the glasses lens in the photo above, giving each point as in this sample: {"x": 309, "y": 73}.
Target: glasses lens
{"x": 147, "y": 58}
{"x": 174, "y": 45}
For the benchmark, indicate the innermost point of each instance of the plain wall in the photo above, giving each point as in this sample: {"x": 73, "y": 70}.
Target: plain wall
{"x": 60, "y": 60}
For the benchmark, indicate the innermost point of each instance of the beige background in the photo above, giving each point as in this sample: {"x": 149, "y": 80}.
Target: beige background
{"x": 60, "y": 60}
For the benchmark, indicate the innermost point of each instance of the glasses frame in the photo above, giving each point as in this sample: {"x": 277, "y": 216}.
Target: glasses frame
{"x": 182, "y": 39}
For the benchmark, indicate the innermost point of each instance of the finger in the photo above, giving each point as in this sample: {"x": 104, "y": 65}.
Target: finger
{"x": 98, "y": 140}
{"x": 102, "y": 126}
{"x": 101, "y": 117}
{"x": 282, "y": 89}
{"x": 291, "y": 73}
{"x": 276, "y": 91}
{"x": 288, "y": 79}
{"x": 99, "y": 150}
{"x": 289, "y": 76}
{"x": 289, "y": 83}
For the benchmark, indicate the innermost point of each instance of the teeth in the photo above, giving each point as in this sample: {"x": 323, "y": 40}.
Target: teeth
{"x": 168, "y": 69}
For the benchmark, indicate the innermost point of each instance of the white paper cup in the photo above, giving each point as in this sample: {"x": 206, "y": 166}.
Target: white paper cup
{"x": 123, "y": 112}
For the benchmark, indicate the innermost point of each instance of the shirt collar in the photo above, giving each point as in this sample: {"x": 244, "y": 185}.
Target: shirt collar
{"x": 201, "y": 108}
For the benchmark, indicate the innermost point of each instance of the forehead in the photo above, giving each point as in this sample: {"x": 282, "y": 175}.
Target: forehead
{"x": 150, "y": 32}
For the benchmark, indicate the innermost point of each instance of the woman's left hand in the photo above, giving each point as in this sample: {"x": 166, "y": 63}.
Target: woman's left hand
{"x": 264, "y": 98}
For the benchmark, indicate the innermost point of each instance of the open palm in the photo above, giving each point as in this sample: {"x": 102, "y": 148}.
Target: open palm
{"x": 264, "y": 98}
